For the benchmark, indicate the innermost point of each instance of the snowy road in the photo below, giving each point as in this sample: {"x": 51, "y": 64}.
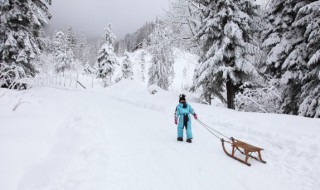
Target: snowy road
{"x": 83, "y": 140}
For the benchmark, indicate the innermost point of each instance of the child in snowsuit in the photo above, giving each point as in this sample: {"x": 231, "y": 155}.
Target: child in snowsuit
{"x": 183, "y": 111}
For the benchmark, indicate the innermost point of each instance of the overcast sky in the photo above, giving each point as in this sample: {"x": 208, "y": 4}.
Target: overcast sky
{"x": 92, "y": 16}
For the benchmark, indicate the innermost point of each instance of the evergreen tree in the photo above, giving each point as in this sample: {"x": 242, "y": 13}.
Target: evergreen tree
{"x": 291, "y": 45}
{"x": 21, "y": 32}
{"x": 107, "y": 59}
{"x": 92, "y": 50}
{"x": 88, "y": 69}
{"x": 161, "y": 71}
{"x": 71, "y": 40}
{"x": 143, "y": 65}
{"x": 154, "y": 72}
{"x": 228, "y": 45}
{"x": 81, "y": 48}
{"x": 308, "y": 19}
{"x": 63, "y": 55}
{"x": 280, "y": 38}
{"x": 127, "y": 72}
{"x": 286, "y": 51}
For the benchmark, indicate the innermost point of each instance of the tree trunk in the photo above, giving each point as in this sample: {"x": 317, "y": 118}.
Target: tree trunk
{"x": 209, "y": 99}
{"x": 231, "y": 94}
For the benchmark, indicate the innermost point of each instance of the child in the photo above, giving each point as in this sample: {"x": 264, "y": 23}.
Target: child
{"x": 183, "y": 111}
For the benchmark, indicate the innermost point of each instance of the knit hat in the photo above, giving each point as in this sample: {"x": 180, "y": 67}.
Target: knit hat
{"x": 182, "y": 97}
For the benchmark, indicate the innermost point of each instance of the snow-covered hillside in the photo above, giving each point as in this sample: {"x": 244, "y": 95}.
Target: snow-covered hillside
{"x": 122, "y": 137}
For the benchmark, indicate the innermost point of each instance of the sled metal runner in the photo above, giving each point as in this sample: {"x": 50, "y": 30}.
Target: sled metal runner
{"x": 245, "y": 149}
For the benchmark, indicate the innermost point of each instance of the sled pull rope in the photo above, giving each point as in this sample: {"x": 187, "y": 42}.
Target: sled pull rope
{"x": 210, "y": 130}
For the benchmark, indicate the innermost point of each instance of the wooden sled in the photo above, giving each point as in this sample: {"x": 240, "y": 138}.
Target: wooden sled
{"x": 247, "y": 150}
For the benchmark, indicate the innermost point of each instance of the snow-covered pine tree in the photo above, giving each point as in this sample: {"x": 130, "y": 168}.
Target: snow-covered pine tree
{"x": 127, "y": 72}
{"x": 280, "y": 37}
{"x": 88, "y": 69}
{"x": 107, "y": 59}
{"x": 154, "y": 71}
{"x": 20, "y": 36}
{"x": 81, "y": 48}
{"x": 308, "y": 19}
{"x": 143, "y": 65}
{"x": 71, "y": 40}
{"x": 286, "y": 51}
{"x": 91, "y": 50}
{"x": 63, "y": 55}
{"x": 161, "y": 70}
{"x": 228, "y": 45}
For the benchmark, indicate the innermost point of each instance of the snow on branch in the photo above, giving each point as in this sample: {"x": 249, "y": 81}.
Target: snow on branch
{"x": 10, "y": 75}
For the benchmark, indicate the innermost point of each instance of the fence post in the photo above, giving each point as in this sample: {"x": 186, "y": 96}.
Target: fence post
{"x": 70, "y": 80}
{"x": 65, "y": 80}
{"x": 77, "y": 80}
{"x": 92, "y": 81}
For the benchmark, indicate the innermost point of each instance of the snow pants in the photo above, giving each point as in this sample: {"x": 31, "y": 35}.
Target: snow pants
{"x": 185, "y": 122}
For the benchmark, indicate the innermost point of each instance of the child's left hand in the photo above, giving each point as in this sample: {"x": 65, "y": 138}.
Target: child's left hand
{"x": 195, "y": 116}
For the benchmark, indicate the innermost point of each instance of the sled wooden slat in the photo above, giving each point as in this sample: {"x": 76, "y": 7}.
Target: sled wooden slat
{"x": 245, "y": 146}
{"x": 245, "y": 149}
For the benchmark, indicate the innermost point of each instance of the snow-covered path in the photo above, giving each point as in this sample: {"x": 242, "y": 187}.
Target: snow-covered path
{"x": 94, "y": 140}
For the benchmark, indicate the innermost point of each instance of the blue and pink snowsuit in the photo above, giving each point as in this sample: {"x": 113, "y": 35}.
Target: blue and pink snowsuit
{"x": 184, "y": 119}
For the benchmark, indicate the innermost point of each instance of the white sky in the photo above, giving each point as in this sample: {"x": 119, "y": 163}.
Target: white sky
{"x": 92, "y": 16}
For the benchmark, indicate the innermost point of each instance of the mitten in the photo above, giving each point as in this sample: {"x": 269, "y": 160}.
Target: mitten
{"x": 195, "y": 116}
